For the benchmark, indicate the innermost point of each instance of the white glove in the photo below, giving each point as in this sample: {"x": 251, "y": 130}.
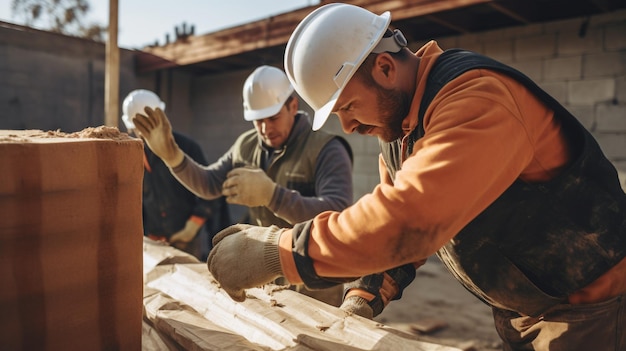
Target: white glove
{"x": 156, "y": 131}
{"x": 181, "y": 238}
{"x": 249, "y": 187}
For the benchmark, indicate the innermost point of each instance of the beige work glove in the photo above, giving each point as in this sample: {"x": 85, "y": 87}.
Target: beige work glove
{"x": 156, "y": 131}
{"x": 357, "y": 305}
{"x": 184, "y": 236}
{"x": 249, "y": 187}
{"x": 245, "y": 256}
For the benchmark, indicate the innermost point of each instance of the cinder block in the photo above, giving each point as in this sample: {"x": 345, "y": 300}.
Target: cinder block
{"x": 570, "y": 42}
{"x": 19, "y": 79}
{"x": 532, "y": 68}
{"x": 500, "y": 50}
{"x": 563, "y": 68}
{"x": 537, "y": 46}
{"x": 584, "y": 114}
{"x": 613, "y": 145}
{"x": 364, "y": 184}
{"x": 70, "y": 240}
{"x": 615, "y": 36}
{"x": 605, "y": 64}
{"x": 589, "y": 92}
{"x": 4, "y": 58}
{"x": 557, "y": 90}
{"x": 611, "y": 118}
{"x": 365, "y": 164}
{"x": 620, "y": 87}
{"x": 372, "y": 147}
{"x": 523, "y": 31}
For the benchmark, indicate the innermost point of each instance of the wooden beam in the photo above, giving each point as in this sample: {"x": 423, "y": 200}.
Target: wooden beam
{"x": 516, "y": 15}
{"x": 447, "y": 24}
{"x": 408, "y": 9}
{"x": 276, "y": 30}
{"x": 112, "y": 71}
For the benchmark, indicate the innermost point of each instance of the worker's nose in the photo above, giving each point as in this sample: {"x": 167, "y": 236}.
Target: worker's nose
{"x": 348, "y": 124}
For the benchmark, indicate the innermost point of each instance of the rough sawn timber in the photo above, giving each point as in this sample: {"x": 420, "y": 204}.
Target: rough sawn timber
{"x": 185, "y": 309}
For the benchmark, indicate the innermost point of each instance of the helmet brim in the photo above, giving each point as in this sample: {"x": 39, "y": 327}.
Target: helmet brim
{"x": 323, "y": 113}
{"x": 255, "y": 115}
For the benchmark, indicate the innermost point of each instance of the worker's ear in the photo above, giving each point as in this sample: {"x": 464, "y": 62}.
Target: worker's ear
{"x": 292, "y": 105}
{"x": 385, "y": 70}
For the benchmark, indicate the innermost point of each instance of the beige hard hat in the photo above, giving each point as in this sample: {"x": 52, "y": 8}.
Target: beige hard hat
{"x": 265, "y": 91}
{"x": 135, "y": 102}
{"x": 327, "y": 48}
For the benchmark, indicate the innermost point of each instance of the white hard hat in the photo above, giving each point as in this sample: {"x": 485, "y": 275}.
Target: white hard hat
{"x": 327, "y": 48}
{"x": 136, "y": 101}
{"x": 265, "y": 92}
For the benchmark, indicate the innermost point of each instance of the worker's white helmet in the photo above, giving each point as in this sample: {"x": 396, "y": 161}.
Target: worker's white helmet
{"x": 265, "y": 92}
{"x": 327, "y": 48}
{"x": 136, "y": 101}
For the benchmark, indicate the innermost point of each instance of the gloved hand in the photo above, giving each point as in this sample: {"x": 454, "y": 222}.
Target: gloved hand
{"x": 245, "y": 256}
{"x": 249, "y": 187}
{"x": 181, "y": 238}
{"x": 357, "y": 305}
{"x": 156, "y": 131}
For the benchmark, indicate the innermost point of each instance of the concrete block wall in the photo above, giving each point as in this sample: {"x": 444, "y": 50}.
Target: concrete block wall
{"x": 217, "y": 106}
{"x": 50, "y": 81}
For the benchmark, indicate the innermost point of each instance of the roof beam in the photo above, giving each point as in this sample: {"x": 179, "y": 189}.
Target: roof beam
{"x": 275, "y": 31}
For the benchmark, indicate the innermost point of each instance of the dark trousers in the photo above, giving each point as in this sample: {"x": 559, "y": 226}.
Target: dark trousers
{"x": 597, "y": 327}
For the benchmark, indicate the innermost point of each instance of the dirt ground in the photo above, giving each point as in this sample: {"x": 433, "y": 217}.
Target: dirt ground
{"x": 436, "y": 299}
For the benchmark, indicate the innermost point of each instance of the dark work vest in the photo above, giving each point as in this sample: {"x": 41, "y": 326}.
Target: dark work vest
{"x": 538, "y": 242}
{"x": 293, "y": 167}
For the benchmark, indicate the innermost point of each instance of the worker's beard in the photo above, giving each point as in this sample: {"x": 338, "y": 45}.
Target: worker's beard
{"x": 393, "y": 106}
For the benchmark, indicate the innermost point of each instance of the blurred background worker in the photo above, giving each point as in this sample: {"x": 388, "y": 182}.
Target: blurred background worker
{"x": 171, "y": 213}
{"x": 281, "y": 170}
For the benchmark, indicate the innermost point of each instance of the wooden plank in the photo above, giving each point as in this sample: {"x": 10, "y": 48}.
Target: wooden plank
{"x": 198, "y": 313}
{"x": 112, "y": 71}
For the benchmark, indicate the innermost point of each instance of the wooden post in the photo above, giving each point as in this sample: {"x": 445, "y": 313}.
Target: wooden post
{"x": 112, "y": 71}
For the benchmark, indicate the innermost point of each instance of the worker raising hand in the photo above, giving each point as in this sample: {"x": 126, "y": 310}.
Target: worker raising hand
{"x": 156, "y": 131}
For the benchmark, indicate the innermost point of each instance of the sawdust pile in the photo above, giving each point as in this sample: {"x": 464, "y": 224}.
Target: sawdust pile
{"x": 100, "y": 132}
